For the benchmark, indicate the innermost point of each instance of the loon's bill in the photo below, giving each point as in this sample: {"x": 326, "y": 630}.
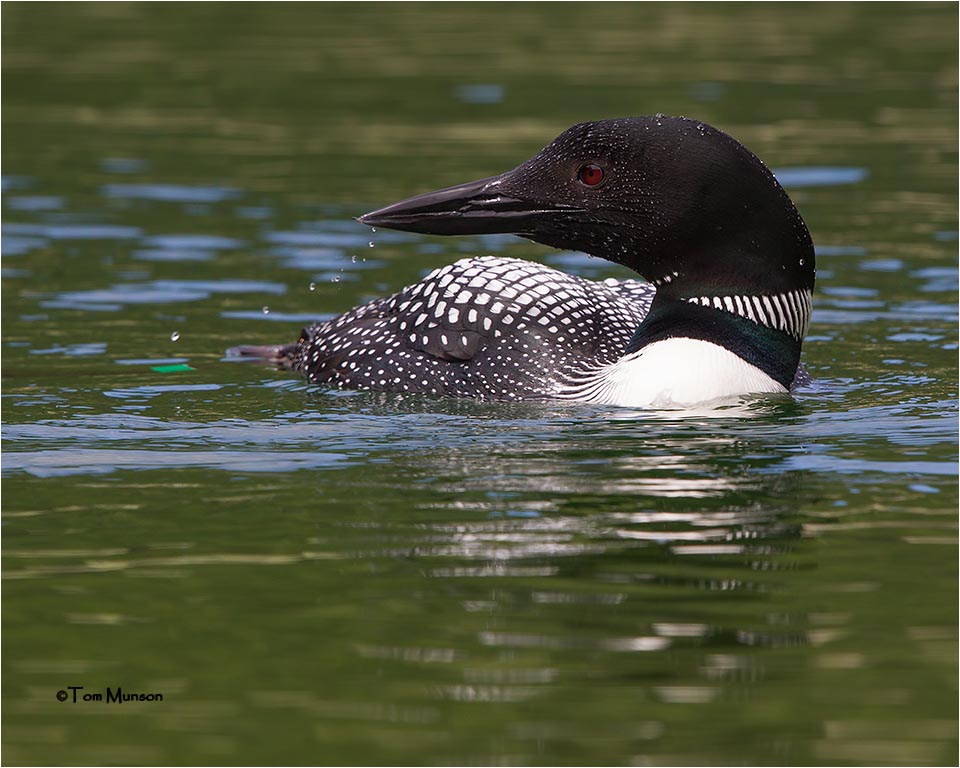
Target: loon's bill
{"x": 728, "y": 262}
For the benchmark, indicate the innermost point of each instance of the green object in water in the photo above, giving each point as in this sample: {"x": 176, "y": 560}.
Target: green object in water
{"x": 175, "y": 368}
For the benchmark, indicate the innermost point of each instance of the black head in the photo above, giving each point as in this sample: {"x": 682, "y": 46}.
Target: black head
{"x": 678, "y": 201}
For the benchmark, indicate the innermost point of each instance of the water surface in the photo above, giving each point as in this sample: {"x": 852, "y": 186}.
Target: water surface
{"x": 314, "y": 577}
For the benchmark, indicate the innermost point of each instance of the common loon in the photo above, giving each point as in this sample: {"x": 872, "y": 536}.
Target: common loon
{"x": 728, "y": 260}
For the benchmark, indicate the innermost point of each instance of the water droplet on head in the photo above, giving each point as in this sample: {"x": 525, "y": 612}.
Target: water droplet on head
{"x": 313, "y": 287}
{"x": 266, "y": 310}
{"x": 175, "y": 336}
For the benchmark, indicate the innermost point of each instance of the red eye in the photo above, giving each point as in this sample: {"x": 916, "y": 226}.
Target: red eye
{"x": 590, "y": 174}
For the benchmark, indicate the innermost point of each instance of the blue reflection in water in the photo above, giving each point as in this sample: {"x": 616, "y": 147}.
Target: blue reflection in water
{"x": 124, "y": 165}
{"x": 157, "y": 292}
{"x": 173, "y": 193}
{"x": 34, "y": 203}
{"x": 819, "y": 176}
{"x": 481, "y": 93}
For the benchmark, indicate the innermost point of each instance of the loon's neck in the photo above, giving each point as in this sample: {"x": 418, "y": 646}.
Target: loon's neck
{"x": 765, "y": 331}
{"x": 695, "y": 349}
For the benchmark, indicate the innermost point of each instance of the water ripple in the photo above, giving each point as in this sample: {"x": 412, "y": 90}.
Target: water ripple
{"x": 156, "y": 292}
{"x": 173, "y": 193}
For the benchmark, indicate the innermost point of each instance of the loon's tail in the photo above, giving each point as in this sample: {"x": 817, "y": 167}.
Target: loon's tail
{"x": 277, "y": 354}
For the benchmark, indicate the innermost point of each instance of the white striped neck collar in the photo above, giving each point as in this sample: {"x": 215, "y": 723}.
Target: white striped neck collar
{"x": 788, "y": 312}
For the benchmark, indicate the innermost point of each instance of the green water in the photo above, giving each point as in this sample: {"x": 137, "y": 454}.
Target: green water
{"x": 310, "y": 577}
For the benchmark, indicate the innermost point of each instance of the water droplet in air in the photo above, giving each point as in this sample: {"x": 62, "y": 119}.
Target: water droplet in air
{"x": 801, "y": 262}
{"x": 335, "y": 279}
{"x": 370, "y": 244}
{"x": 313, "y": 287}
{"x": 373, "y": 229}
{"x": 266, "y": 310}
{"x": 354, "y": 258}
{"x": 175, "y": 336}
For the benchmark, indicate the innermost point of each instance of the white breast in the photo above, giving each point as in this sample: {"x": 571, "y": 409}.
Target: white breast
{"x": 672, "y": 372}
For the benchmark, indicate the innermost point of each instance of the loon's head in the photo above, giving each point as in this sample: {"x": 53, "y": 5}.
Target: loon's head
{"x": 681, "y": 203}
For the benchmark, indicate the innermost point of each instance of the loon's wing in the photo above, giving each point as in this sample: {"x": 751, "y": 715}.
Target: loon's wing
{"x": 458, "y": 309}
{"x": 483, "y": 327}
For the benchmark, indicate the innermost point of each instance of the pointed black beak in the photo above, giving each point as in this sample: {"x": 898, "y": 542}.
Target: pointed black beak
{"x": 474, "y": 208}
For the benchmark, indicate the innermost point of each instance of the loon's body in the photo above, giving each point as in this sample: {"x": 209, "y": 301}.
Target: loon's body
{"x": 729, "y": 262}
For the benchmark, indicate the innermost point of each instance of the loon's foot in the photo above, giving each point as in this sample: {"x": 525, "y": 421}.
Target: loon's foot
{"x": 277, "y": 354}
